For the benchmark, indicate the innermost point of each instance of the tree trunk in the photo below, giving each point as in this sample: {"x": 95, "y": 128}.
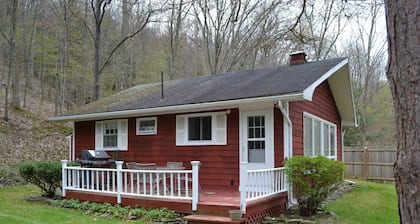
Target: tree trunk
{"x": 11, "y": 60}
{"x": 98, "y": 21}
{"x": 15, "y": 74}
{"x": 403, "y": 72}
{"x": 28, "y": 43}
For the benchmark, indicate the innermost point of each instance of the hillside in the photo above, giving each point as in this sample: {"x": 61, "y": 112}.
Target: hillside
{"x": 28, "y": 135}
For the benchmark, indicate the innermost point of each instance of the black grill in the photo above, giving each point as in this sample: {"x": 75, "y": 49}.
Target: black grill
{"x": 95, "y": 158}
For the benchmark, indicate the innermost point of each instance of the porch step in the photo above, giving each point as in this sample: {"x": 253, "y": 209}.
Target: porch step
{"x": 215, "y": 209}
{"x": 204, "y": 219}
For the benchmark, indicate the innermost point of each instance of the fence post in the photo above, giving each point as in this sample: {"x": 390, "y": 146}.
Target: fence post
{"x": 365, "y": 161}
{"x": 119, "y": 180}
{"x": 243, "y": 182}
{"x": 195, "y": 194}
{"x": 64, "y": 177}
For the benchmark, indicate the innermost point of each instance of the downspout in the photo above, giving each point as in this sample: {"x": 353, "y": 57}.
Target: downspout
{"x": 288, "y": 144}
{"x": 73, "y": 145}
{"x": 288, "y": 129}
{"x": 343, "y": 133}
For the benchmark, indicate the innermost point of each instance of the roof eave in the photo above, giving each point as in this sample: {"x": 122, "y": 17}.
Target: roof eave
{"x": 343, "y": 95}
{"x": 176, "y": 109}
{"x": 349, "y": 123}
{"x": 308, "y": 92}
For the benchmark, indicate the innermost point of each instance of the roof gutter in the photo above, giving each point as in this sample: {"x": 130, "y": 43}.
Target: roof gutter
{"x": 175, "y": 109}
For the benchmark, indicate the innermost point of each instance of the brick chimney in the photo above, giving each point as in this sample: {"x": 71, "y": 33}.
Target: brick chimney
{"x": 297, "y": 58}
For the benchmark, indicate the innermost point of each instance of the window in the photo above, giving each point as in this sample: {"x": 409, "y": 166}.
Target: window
{"x": 319, "y": 137}
{"x": 256, "y": 139}
{"x": 201, "y": 129}
{"x": 110, "y": 130}
{"x": 146, "y": 126}
{"x": 111, "y": 135}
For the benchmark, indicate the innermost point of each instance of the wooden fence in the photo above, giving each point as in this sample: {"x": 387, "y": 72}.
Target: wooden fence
{"x": 373, "y": 163}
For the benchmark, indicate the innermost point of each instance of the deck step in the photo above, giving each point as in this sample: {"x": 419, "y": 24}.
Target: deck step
{"x": 204, "y": 219}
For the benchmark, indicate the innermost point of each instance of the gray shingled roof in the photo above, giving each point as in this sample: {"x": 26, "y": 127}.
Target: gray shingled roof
{"x": 217, "y": 87}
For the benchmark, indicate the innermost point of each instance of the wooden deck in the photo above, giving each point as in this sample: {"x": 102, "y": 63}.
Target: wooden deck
{"x": 213, "y": 202}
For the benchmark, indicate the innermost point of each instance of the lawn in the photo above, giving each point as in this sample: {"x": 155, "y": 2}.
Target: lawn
{"x": 15, "y": 209}
{"x": 367, "y": 203}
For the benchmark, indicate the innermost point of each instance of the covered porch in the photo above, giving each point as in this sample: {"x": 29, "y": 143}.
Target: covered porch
{"x": 261, "y": 192}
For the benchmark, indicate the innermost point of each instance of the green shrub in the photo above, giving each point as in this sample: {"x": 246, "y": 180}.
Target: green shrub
{"x": 162, "y": 213}
{"x": 313, "y": 178}
{"x": 9, "y": 175}
{"x": 46, "y": 175}
{"x": 116, "y": 211}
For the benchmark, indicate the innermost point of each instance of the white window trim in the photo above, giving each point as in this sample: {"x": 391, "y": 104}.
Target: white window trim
{"x": 152, "y": 132}
{"x": 214, "y": 130}
{"x": 122, "y": 139}
{"x": 322, "y": 122}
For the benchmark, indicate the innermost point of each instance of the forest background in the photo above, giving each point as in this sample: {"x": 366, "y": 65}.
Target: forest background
{"x": 57, "y": 55}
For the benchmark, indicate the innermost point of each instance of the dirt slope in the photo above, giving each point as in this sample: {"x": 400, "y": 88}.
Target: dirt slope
{"x": 28, "y": 135}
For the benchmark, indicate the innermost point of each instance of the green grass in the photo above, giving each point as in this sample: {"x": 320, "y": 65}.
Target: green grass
{"x": 15, "y": 209}
{"x": 367, "y": 203}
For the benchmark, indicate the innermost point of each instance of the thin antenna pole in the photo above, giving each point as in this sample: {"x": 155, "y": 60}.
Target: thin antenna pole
{"x": 161, "y": 83}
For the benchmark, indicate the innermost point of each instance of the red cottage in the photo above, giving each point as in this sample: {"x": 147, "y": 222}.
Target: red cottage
{"x": 210, "y": 144}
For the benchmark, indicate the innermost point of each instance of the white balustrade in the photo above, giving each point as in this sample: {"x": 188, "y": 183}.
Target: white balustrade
{"x": 173, "y": 184}
{"x": 257, "y": 184}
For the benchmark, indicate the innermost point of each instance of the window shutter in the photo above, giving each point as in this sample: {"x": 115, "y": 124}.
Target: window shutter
{"x": 122, "y": 135}
{"x": 181, "y": 130}
{"x": 221, "y": 130}
{"x": 99, "y": 136}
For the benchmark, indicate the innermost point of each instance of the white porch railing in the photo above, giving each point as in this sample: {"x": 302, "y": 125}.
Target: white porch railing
{"x": 173, "y": 184}
{"x": 257, "y": 184}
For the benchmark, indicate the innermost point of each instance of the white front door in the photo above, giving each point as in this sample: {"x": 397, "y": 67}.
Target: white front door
{"x": 257, "y": 134}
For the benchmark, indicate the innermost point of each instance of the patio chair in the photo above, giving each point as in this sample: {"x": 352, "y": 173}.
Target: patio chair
{"x": 180, "y": 165}
{"x": 146, "y": 166}
{"x": 131, "y": 165}
{"x": 172, "y": 164}
{"x": 141, "y": 166}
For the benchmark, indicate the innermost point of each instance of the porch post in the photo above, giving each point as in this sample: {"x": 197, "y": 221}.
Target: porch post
{"x": 195, "y": 194}
{"x": 243, "y": 182}
{"x": 64, "y": 177}
{"x": 119, "y": 180}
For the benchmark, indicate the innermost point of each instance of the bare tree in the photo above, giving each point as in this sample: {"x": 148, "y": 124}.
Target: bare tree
{"x": 30, "y": 13}
{"x": 366, "y": 50}
{"x": 101, "y": 59}
{"x": 11, "y": 41}
{"x": 320, "y": 27}
{"x": 178, "y": 12}
{"x": 229, "y": 31}
{"x": 403, "y": 72}
{"x": 61, "y": 9}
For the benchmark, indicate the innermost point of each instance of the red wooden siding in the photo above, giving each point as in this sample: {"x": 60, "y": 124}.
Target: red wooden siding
{"x": 84, "y": 134}
{"x": 219, "y": 164}
{"x": 323, "y": 106}
{"x": 278, "y": 138}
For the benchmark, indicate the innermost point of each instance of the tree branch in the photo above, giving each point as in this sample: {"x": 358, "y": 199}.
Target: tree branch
{"x": 115, "y": 48}
{"x": 292, "y": 28}
{"x": 85, "y": 24}
{"x": 5, "y": 37}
